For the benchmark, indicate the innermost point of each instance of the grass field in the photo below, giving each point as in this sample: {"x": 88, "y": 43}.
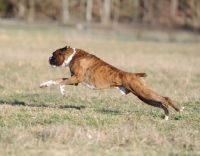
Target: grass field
{"x": 36, "y": 121}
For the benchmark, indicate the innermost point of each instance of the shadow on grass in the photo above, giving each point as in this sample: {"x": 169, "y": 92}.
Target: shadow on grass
{"x": 109, "y": 111}
{"x": 13, "y": 103}
{"x": 21, "y": 103}
{"x": 71, "y": 106}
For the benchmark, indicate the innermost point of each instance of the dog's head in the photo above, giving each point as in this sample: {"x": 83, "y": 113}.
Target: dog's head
{"x": 61, "y": 57}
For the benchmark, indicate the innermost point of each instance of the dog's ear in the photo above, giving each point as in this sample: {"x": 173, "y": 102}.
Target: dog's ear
{"x": 68, "y": 46}
{"x": 62, "y": 50}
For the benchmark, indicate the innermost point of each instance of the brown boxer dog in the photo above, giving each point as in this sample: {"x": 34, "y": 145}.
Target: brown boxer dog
{"x": 96, "y": 74}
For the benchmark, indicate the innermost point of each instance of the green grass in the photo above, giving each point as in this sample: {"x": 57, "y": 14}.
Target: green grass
{"x": 40, "y": 121}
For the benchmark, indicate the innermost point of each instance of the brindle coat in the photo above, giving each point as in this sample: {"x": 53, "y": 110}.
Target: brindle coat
{"x": 91, "y": 71}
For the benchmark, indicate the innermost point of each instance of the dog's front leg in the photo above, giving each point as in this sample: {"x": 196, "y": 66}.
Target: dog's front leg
{"x": 70, "y": 81}
{"x": 61, "y": 82}
{"x": 55, "y": 82}
{"x": 52, "y": 82}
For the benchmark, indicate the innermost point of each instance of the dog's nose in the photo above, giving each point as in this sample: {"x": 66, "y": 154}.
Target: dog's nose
{"x": 50, "y": 59}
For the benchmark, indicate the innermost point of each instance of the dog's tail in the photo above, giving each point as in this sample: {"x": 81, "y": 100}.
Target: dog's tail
{"x": 141, "y": 74}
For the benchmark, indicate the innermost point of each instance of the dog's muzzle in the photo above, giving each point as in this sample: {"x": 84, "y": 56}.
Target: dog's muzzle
{"x": 52, "y": 61}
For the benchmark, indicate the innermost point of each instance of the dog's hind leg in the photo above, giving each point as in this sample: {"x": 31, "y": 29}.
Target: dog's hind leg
{"x": 178, "y": 109}
{"x": 162, "y": 104}
{"x": 144, "y": 93}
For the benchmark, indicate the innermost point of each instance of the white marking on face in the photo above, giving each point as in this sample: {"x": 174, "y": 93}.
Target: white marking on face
{"x": 67, "y": 62}
{"x": 48, "y": 83}
{"x": 89, "y": 86}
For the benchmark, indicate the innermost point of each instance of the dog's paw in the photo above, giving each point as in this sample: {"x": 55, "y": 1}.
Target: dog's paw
{"x": 43, "y": 85}
{"x": 166, "y": 117}
{"x": 48, "y": 83}
{"x": 62, "y": 90}
{"x": 181, "y": 109}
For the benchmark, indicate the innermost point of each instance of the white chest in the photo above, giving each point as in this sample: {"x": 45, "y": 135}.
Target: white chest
{"x": 67, "y": 62}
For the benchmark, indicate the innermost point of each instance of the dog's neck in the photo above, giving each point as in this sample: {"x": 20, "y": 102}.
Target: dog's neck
{"x": 66, "y": 63}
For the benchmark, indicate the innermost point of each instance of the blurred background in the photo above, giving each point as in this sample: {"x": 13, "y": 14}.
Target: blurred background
{"x": 107, "y": 14}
